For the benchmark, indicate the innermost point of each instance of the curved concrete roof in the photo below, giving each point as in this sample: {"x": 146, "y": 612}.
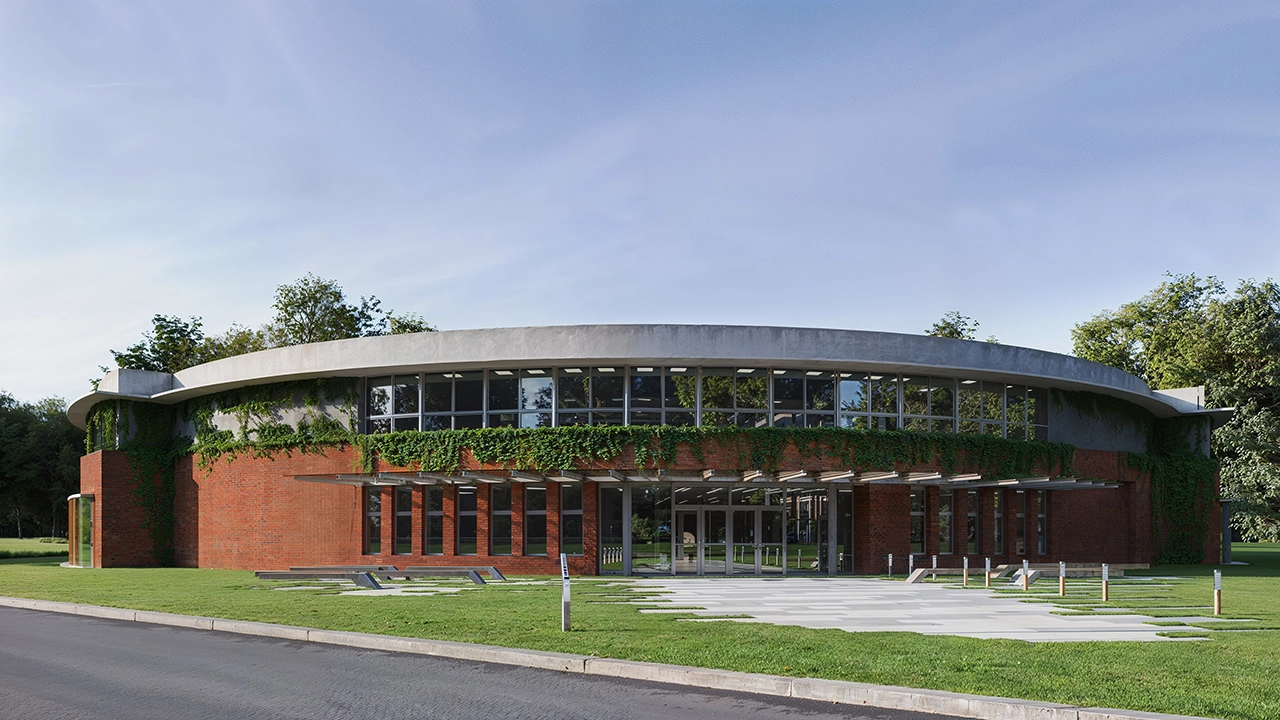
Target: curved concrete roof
{"x": 802, "y": 348}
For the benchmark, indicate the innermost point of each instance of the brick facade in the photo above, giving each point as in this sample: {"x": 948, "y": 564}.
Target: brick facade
{"x": 250, "y": 513}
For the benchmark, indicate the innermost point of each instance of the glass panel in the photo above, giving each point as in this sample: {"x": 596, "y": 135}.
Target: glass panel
{"x": 84, "y": 532}
{"x": 971, "y": 530}
{"x": 819, "y": 420}
{"x": 758, "y": 496}
{"x": 535, "y": 534}
{"x": 970, "y": 400}
{"x": 433, "y": 520}
{"x": 788, "y": 420}
{"x": 499, "y": 498}
{"x": 884, "y": 394}
{"x": 711, "y": 418}
{"x": 753, "y": 420}
{"x": 946, "y": 512}
{"x": 404, "y": 535}
{"x": 915, "y": 396}
{"x": 432, "y": 498}
{"x": 651, "y": 529}
{"x": 379, "y": 396}
{"x": 807, "y": 534}
{"x": 819, "y": 390}
{"x": 467, "y": 534}
{"x": 437, "y": 393}
{"x": 500, "y": 535}
{"x": 917, "y": 520}
{"x": 530, "y": 420}
{"x": 752, "y": 389}
{"x": 701, "y": 495}
{"x": 646, "y": 417}
{"x": 611, "y": 529}
{"x": 856, "y": 422}
{"x": 681, "y": 388}
{"x": 788, "y": 390}
{"x": 717, "y": 389}
{"x": 844, "y": 531}
{"x": 406, "y": 394}
{"x": 571, "y": 534}
{"x": 565, "y": 419}
{"x": 574, "y": 385}
{"x": 714, "y": 543}
{"x": 942, "y": 426}
{"x": 535, "y": 497}
{"x": 646, "y": 388}
{"x": 854, "y": 392}
{"x": 772, "y": 529}
{"x": 466, "y": 499}
{"x": 409, "y": 423}
{"x": 942, "y": 397}
{"x": 915, "y": 424}
{"x": 606, "y": 418}
{"x": 969, "y": 427}
{"x": 992, "y": 401}
{"x": 685, "y": 542}
{"x": 1020, "y": 540}
{"x": 504, "y": 390}
{"x": 461, "y": 422}
{"x": 373, "y": 521}
{"x": 1037, "y": 406}
{"x": 607, "y": 388}
{"x": 676, "y": 417}
{"x": 993, "y": 429}
{"x": 536, "y": 390}
{"x": 504, "y": 419}
{"x": 468, "y": 391}
{"x": 998, "y": 533}
{"x": 436, "y": 422}
{"x": 570, "y": 497}
{"x": 1040, "y": 432}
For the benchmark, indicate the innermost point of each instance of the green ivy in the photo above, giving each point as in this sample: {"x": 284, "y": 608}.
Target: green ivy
{"x": 573, "y": 448}
{"x": 1101, "y": 407}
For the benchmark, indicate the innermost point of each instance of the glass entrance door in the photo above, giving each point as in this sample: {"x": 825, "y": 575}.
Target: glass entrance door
{"x": 701, "y": 541}
{"x": 714, "y": 543}
{"x": 685, "y": 542}
{"x": 759, "y": 545}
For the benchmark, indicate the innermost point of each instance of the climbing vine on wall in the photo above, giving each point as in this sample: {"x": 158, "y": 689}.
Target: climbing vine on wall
{"x": 571, "y": 448}
{"x": 1097, "y": 406}
{"x": 1184, "y": 489}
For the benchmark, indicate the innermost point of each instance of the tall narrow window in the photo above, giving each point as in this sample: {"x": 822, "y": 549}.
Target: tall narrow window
{"x": 373, "y": 521}
{"x": 535, "y": 519}
{"x": 946, "y": 510}
{"x": 971, "y": 528}
{"x": 404, "y": 520}
{"x": 499, "y": 519}
{"x": 433, "y": 520}
{"x": 917, "y": 520}
{"x": 571, "y": 519}
{"x": 1020, "y": 545}
{"x": 466, "y": 521}
{"x": 999, "y": 521}
{"x": 1041, "y": 527}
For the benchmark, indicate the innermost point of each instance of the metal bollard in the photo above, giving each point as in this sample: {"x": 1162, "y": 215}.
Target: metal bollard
{"x": 966, "y": 571}
{"x": 1062, "y": 579}
{"x": 1106, "y": 582}
{"x": 1026, "y": 575}
{"x": 988, "y": 573}
{"x": 890, "y": 564}
{"x": 911, "y": 564}
{"x": 935, "y": 567}
{"x": 1217, "y": 592}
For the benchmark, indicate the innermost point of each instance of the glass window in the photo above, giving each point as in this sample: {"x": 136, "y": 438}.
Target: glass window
{"x": 606, "y": 418}
{"x": 379, "y": 396}
{"x": 461, "y": 422}
{"x": 436, "y": 422}
{"x": 751, "y": 389}
{"x": 884, "y": 394}
{"x": 406, "y": 394}
{"x": 468, "y": 391}
{"x": 404, "y": 520}
{"x": 1016, "y": 412}
{"x": 499, "y": 519}
{"x": 607, "y": 388}
{"x": 574, "y": 385}
{"x": 819, "y": 390}
{"x": 437, "y": 392}
{"x": 681, "y": 418}
{"x": 992, "y": 401}
{"x": 509, "y": 419}
{"x": 1020, "y": 545}
{"x": 646, "y": 417}
{"x": 373, "y": 521}
{"x": 942, "y": 397}
{"x": 611, "y": 528}
{"x": 571, "y": 518}
{"x": 854, "y": 392}
{"x": 504, "y": 390}
{"x": 971, "y": 530}
{"x": 406, "y": 423}
{"x": 535, "y": 519}
{"x": 646, "y": 388}
{"x": 917, "y": 520}
{"x": 970, "y": 405}
{"x": 535, "y": 419}
{"x": 433, "y": 520}
{"x": 536, "y": 390}
{"x": 466, "y": 520}
{"x": 915, "y": 395}
{"x": 651, "y": 529}
{"x": 1037, "y": 406}
{"x": 788, "y": 390}
{"x": 946, "y": 511}
{"x": 681, "y": 388}
{"x": 717, "y": 389}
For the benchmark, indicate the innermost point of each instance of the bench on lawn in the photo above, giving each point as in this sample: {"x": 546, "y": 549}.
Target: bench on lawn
{"x": 493, "y": 572}
{"x": 432, "y": 572}
{"x": 363, "y": 579}
{"x": 345, "y": 568}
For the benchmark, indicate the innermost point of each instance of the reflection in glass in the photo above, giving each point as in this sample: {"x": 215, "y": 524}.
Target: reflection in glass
{"x": 819, "y": 391}
{"x": 468, "y": 391}
{"x": 437, "y": 393}
{"x": 379, "y": 396}
{"x": 752, "y": 390}
{"x": 433, "y": 520}
{"x": 651, "y": 529}
{"x": 406, "y": 394}
{"x": 788, "y": 390}
{"x": 646, "y": 388}
{"x": 681, "y": 388}
{"x": 942, "y": 397}
{"x": 504, "y": 390}
{"x": 574, "y": 388}
{"x": 607, "y": 387}
{"x": 717, "y": 389}
{"x": 915, "y": 396}
{"x": 536, "y": 390}
{"x": 884, "y": 393}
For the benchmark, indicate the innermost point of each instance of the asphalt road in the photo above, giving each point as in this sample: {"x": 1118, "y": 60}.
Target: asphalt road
{"x": 55, "y": 666}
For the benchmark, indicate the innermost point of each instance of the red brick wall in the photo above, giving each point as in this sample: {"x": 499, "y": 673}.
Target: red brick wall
{"x": 250, "y": 513}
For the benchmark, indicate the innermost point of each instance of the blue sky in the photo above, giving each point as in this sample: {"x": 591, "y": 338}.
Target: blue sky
{"x": 856, "y": 165}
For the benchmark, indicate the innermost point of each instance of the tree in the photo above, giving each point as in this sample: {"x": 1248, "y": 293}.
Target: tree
{"x": 957, "y": 326}
{"x": 1191, "y": 331}
{"x": 407, "y": 323}
{"x": 172, "y": 345}
{"x": 39, "y": 462}
{"x": 315, "y": 310}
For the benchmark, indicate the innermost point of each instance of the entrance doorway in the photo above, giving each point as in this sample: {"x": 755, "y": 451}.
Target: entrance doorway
{"x": 759, "y": 543}
{"x": 717, "y": 541}
{"x": 700, "y": 543}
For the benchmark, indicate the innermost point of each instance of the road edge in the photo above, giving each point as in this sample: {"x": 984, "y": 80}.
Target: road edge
{"x": 941, "y": 702}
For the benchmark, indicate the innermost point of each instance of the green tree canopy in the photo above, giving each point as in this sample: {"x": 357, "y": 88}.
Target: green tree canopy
{"x": 1191, "y": 331}
{"x": 39, "y": 464}
{"x": 957, "y": 326}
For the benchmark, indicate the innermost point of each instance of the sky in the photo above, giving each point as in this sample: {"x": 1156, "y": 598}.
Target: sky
{"x": 850, "y": 165}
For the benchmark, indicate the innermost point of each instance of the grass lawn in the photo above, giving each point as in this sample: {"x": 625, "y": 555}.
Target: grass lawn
{"x": 31, "y": 547}
{"x": 1230, "y": 674}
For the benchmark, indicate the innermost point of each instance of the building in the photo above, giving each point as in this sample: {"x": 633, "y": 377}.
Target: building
{"x": 640, "y": 449}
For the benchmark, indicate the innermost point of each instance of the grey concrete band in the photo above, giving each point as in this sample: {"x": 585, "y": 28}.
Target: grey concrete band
{"x": 837, "y": 691}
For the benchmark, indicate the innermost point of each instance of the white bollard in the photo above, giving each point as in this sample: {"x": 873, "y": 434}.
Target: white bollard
{"x": 966, "y": 571}
{"x": 988, "y": 573}
{"x": 564, "y": 593}
{"x": 1106, "y": 582}
{"x": 1062, "y": 579}
{"x": 1026, "y": 573}
{"x": 1217, "y": 592}
{"x": 890, "y": 564}
{"x": 911, "y": 564}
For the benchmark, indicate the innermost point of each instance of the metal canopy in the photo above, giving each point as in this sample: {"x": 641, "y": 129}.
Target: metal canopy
{"x": 789, "y": 477}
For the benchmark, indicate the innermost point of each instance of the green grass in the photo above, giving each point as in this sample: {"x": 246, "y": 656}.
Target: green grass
{"x": 31, "y": 547}
{"x": 1228, "y": 675}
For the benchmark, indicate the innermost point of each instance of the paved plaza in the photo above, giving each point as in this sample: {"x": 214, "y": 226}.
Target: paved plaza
{"x": 866, "y": 605}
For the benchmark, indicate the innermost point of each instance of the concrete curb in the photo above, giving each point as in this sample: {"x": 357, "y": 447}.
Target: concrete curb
{"x": 837, "y": 691}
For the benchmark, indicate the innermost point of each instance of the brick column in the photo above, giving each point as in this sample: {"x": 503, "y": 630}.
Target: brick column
{"x": 590, "y": 528}
{"x": 986, "y": 522}
{"x": 932, "y": 526}
{"x": 449, "y": 503}
{"x": 553, "y": 521}
{"x": 960, "y": 524}
{"x": 482, "y": 519}
{"x": 517, "y": 519}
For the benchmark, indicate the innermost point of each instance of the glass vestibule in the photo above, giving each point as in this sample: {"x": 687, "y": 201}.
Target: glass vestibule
{"x": 720, "y": 529}
{"x": 80, "y": 530}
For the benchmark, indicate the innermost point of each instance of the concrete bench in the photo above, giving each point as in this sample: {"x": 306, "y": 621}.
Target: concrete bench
{"x": 343, "y": 568}
{"x": 361, "y": 579}
{"x": 491, "y": 571}
{"x": 432, "y": 572}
